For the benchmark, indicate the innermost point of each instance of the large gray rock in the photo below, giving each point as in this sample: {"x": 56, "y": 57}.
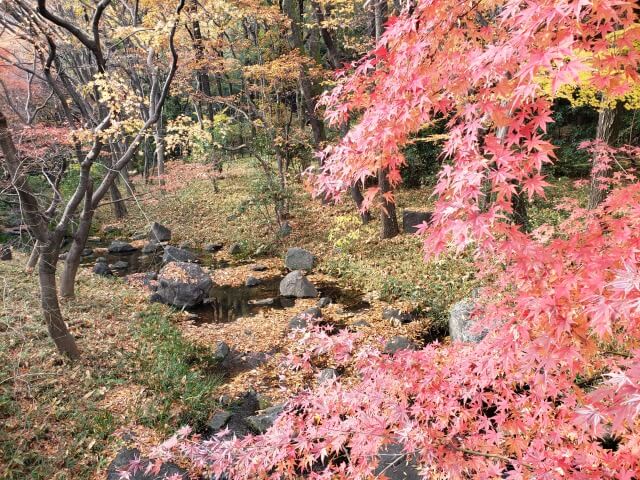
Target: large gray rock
{"x": 159, "y": 233}
{"x": 302, "y": 319}
{"x": 120, "y": 265}
{"x": 152, "y": 247}
{"x": 127, "y": 455}
{"x": 220, "y": 352}
{"x": 264, "y": 421}
{"x": 461, "y": 324}
{"x": 298, "y": 259}
{"x": 118, "y": 246}
{"x": 175, "y": 254}
{"x": 183, "y": 284}
{"x": 327, "y": 375}
{"x": 295, "y": 284}
{"x": 102, "y": 269}
{"x": 394, "y": 464}
{"x": 411, "y": 219}
{"x": 398, "y": 343}
{"x": 219, "y": 420}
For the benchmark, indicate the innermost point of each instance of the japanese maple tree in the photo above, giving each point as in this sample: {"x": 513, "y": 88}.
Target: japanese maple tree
{"x": 553, "y": 391}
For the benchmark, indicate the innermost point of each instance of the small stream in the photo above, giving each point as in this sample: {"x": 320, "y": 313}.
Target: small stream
{"x": 225, "y": 303}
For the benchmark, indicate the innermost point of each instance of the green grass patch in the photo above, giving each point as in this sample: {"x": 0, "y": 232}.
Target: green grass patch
{"x": 180, "y": 373}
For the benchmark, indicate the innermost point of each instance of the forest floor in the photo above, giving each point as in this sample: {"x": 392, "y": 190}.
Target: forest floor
{"x": 147, "y": 369}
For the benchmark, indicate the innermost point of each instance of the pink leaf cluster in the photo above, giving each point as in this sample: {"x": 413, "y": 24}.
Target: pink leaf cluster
{"x": 559, "y": 371}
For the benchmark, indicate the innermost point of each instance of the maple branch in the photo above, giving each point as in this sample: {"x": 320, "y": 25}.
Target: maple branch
{"x": 92, "y": 44}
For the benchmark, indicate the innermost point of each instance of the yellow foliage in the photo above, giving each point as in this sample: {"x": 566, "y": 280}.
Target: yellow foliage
{"x": 585, "y": 93}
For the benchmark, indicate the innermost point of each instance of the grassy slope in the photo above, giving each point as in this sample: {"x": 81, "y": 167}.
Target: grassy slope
{"x": 137, "y": 375}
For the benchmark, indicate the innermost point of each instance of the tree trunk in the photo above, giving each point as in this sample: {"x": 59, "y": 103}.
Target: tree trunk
{"x": 49, "y": 300}
{"x": 159, "y": 154}
{"x": 202, "y": 76}
{"x": 356, "y": 194}
{"x": 609, "y": 121}
{"x": 49, "y": 246}
{"x": 72, "y": 260}
{"x": 388, "y": 219}
{"x": 519, "y": 205}
{"x": 119, "y": 208}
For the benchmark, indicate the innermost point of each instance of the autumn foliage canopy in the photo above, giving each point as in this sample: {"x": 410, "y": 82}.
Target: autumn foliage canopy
{"x": 553, "y": 391}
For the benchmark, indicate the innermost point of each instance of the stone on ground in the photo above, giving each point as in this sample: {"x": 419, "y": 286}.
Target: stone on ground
{"x": 396, "y": 344}
{"x": 175, "y": 254}
{"x": 127, "y": 455}
{"x": 102, "y": 269}
{"x": 302, "y": 319}
{"x": 183, "y": 284}
{"x": 412, "y": 219}
{"x": 262, "y": 422}
{"x": 118, "y": 246}
{"x": 298, "y": 259}
{"x": 159, "y": 233}
{"x": 5, "y": 253}
{"x": 295, "y": 284}
{"x": 461, "y": 324}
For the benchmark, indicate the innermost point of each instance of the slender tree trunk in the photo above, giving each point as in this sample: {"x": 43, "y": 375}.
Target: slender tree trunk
{"x": 131, "y": 189}
{"x": 202, "y": 76}
{"x": 49, "y": 243}
{"x": 607, "y": 132}
{"x": 388, "y": 219}
{"x": 72, "y": 260}
{"x": 519, "y": 205}
{"x": 159, "y": 139}
{"x": 117, "y": 203}
{"x": 49, "y": 300}
{"x": 356, "y": 194}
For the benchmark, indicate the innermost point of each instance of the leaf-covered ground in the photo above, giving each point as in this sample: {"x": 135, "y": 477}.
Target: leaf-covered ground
{"x": 147, "y": 369}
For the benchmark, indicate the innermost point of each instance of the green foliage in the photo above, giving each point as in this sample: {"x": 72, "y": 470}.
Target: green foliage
{"x": 345, "y": 232}
{"x": 572, "y": 125}
{"x": 422, "y": 158}
{"x": 177, "y": 370}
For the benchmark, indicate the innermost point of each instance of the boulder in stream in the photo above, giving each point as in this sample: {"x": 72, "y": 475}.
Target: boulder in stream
{"x": 183, "y": 284}
{"x": 118, "y": 246}
{"x": 175, "y": 254}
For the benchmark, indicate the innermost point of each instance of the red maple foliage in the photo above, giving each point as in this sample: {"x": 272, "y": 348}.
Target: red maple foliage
{"x": 559, "y": 371}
